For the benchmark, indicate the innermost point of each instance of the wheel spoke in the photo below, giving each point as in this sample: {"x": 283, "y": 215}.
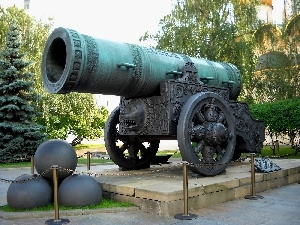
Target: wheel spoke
{"x": 208, "y": 153}
{"x": 199, "y": 147}
{"x": 124, "y": 147}
{"x": 220, "y": 153}
{"x": 200, "y": 116}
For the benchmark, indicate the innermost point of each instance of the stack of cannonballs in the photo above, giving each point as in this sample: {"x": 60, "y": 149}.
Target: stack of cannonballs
{"x": 31, "y": 191}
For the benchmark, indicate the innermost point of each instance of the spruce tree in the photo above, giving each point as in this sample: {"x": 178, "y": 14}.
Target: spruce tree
{"x": 20, "y": 135}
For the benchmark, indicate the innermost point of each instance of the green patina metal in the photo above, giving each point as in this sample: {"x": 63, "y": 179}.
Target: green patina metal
{"x": 73, "y": 62}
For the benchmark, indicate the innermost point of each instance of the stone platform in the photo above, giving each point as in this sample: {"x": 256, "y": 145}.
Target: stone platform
{"x": 159, "y": 189}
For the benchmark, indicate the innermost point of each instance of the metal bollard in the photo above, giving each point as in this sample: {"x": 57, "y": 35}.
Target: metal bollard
{"x": 56, "y": 220}
{"x": 185, "y": 215}
{"x": 253, "y": 196}
{"x": 32, "y": 164}
{"x": 88, "y": 157}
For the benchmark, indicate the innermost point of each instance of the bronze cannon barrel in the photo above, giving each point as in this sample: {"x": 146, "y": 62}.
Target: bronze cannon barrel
{"x": 74, "y": 62}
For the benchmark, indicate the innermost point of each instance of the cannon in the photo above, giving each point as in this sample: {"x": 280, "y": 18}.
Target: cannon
{"x": 163, "y": 96}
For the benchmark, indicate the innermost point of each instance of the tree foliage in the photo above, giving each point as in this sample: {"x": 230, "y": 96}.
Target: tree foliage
{"x": 74, "y": 114}
{"x": 61, "y": 114}
{"x": 281, "y": 117}
{"x": 217, "y": 30}
{"x": 19, "y": 133}
{"x": 34, "y": 34}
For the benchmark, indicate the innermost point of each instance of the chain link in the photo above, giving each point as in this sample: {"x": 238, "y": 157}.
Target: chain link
{"x": 34, "y": 176}
{"x": 81, "y": 156}
{"x": 91, "y": 153}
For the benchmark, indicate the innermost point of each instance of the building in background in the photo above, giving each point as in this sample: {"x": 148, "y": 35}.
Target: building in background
{"x": 26, "y": 4}
{"x": 264, "y": 11}
{"x": 291, "y": 8}
{"x": 278, "y": 52}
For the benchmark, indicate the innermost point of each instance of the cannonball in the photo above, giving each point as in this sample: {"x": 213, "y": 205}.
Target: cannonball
{"x": 79, "y": 190}
{"x": 55, "y": 152}
{"x": 29, "y": 191}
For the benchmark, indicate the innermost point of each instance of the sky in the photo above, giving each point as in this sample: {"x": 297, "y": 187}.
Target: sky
{"x": 115, "y": 20}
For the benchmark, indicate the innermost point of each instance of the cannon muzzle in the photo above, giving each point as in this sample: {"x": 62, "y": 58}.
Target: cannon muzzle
{"x": 74, "y": 62}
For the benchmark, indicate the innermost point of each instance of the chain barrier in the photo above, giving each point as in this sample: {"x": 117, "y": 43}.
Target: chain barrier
{"x": 81, "y": 156}
{"x": 179, "y": 164}
{"x": 154, "y": 170}
{"x": 91, "y": 153}
{"x": 34, "y": 176}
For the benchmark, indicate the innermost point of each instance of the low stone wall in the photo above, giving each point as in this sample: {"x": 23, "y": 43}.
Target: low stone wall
{"x": 161, "y": 192}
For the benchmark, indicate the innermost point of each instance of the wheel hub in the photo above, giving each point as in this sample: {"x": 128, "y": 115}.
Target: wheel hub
{"x": 216, "y": 134}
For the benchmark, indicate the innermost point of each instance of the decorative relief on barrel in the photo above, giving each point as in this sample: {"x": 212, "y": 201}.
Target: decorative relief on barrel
{"x": 76, "y": 67}
{"x": 138, "y": 82}
{"x": 160, "y": 52}
{"x": 234, "y": 76}
{"x": 137, "y": 60}
{"x": 92, "y": 57}
{"x": 74, "y": 34}
{"x": 213, "y": 68}
{"x": 78, "y": 54}
{"x": 77, "y": 43}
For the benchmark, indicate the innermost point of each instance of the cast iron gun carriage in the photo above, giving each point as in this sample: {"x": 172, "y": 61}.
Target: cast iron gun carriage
{"x": 163, "y": 96}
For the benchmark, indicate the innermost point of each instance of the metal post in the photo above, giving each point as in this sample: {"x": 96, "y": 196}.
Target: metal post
{"x": 88, "y": 157}
{"x": 55, "y": 183}
{"x": 32, "y": 164}
{"x": 185, "y": 191}
{"x": 185, "y": 215}
{"x": 56, "y": 220}
{"x": 253, "y": 196}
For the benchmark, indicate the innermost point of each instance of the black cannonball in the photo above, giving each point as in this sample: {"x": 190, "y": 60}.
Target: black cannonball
{"x": 29, "y": 191}
{"x": 55, "y": 152}
{"x": 79, "y": 190}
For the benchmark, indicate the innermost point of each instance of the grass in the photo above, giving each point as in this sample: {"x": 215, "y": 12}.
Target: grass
{"x": 174, "y": 153}
{"x": 105, "y": 203}
{"x": 15, "y": 164}
{"x": 28, "y": 164}
{"x": 89, "y": 146}
{"x": 285, "y": 152}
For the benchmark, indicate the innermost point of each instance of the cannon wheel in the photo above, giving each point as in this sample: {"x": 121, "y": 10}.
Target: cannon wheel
{"x": 206, "y": 133}
{"x": 127, "y": 151}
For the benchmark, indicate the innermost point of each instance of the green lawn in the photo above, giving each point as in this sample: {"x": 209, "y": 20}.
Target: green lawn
{"x": 105, "y": 203}
{"x": 285, "y": 152}
{"x": 15, "y": 164}
{"x": 89, "y": 146}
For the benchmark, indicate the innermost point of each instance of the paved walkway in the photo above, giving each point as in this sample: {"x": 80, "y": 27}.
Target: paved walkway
{"x": 279, "y": 206}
